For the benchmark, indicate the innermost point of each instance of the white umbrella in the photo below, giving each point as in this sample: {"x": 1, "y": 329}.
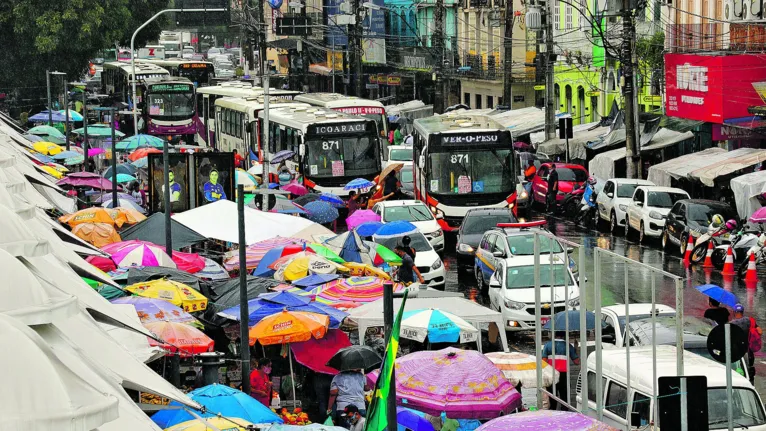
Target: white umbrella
{"x": 439, "y": 326}
{"x": 124, "y": 203}
{"x": 522, "y": 368}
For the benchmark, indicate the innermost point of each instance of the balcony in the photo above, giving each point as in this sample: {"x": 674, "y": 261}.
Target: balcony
{"x": 480, "y": 66}
{"x": 741, "y": 37}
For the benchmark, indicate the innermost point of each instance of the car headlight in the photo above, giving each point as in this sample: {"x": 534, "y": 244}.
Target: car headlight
{"x": 524, "y": 195}
{"x": 655, "y": 215}
{"x": 622, "y": 207}
{"x": 514, "y": 305}
{"x": 465, "y": 248}
{"x": 574, "y": 302}
{"x": 437, "y": 233}
{"x": 437, "y": 264}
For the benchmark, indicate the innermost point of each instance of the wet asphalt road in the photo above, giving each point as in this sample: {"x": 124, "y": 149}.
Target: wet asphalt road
{"x": 751, "y": 296}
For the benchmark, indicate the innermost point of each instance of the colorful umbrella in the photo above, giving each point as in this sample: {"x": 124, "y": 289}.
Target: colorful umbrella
{"x": 332, "y": 199}
{"x": 131, "y": 215}
{"x": 412, "y": 420}
{"x": 171, "y": 291}
{"x": 438, "y": 326}
{"x": 42, "y": 158}
{"x": 92, "y": 152}
{"x": 276, "y": 248}
{"x": 218, "y": 400}
{"x": 306, "y": 198}
{"x": 47, "y": 148}
{"x": 73, "y": 115}
{"x": 142, "y": 152}
{"x": 462, "y": 383}
{"x": 94, "y": 215}
{"x": 151, "y": 310}
{"x": 356, "y": 289}
{"x": 76, "y": 160}
{"x": 361, "y": 216}
{"x": 301, "y": 264}
{"x": 368, "y": 228}
{"x": 381, "y": 254}
{"x": 363, "y": 269}
{"x": 323, "y": 251}
{"x": 282, "y": 156}
{"x": 359, "y": 183}
{"x": 179, "y": 337}
{"x": 522, "y": 368}
{"x": 139, "y": 141}
{"x": 759, "y": 216}
{"x": 350, "y": 247}
{"x": 103, "y": 263}
{"x": 85, "y": 179}
{"x": 212, "y": 271}
{"x": 32, "y": 138}
{"x": 315, "y": 280}
{"x": 52, "y": 172}
{"x": 189, "y": 262}
{"x": 321, "y": 212}
{"x": 560, "y": 320}
{"x": 315, "y": 353}
{"x": 213, "y": 424}
{"x": 98, "y": 131}
{"x": 270, "y": 303}
{"x": 98, "y": 234}
{"x": 49, "y": 132}
{"x": 395, "y": 228}
{"x": 114, "y": 248}
{"x": 552, "y": 420}
{"x": 123, "y": 168}
{"x": 107, "y": 196}
{"x": 246, "y": 179}
{"x": 123, "y": 178}
{"x": 289, "y": 327}
{"x": 141, "y": 163}
{"x": 142, "y": 255}
{"x": 295, "y": 188}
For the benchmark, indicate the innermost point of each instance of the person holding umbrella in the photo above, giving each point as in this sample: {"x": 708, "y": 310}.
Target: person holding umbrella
{"x": 348, "y": 387}
{"x": 560, "y": 364}
{"x": 716, "y": 312}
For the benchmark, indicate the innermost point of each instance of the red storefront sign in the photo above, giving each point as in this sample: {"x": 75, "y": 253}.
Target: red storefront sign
{"x": 712, "y": 88}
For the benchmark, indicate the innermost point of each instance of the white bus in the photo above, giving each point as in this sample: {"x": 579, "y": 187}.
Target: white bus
{"x": 463, "y": 161}
{"x": 117, "y": 78}
{"x": 198, "y": 72}
{"x": 333, "y": 148}
{"x": 371, "y": 109}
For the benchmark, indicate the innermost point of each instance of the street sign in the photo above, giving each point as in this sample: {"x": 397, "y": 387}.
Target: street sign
{"x": 201, "y": 19}
{"x": 716, "y": 343}
{"x": 293, "y": 26}
{"x": 539, "y": 87}
{"x": 371, "y": 86}
{"x": 394, "y": 80}
{"x": 565, "y": 128}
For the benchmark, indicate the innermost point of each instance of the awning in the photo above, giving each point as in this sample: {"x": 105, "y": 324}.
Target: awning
{"x": 602, "y": 166}
{"x": 665, "y": 138}
{"x": 520, "y": 121}
{"x": 611, "y": 139}
{"x": 707, "y": 175}
{"x": 661, "y": 174}
{"x": 583, "y": 133}
{"x": 746, "y": 188}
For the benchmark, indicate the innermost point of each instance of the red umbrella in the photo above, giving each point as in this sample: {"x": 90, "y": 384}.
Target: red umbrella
{"x": 315, "y": 354}
{"x": 142, "y": 152}
{"x": 180, "y": 337}
{"x": 103, "y": 263}
{"x": 189, "y": 262}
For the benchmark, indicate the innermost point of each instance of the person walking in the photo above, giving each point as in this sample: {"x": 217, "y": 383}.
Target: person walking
{"x": 716, "y": 313}
{"x": 347, "y": 388}
{"x": 553, "y": 188}
{"x": 353, "y": 202}
{"x": 560, "y": 364}
{"x": 529, "y": 175}
{"x": 407, "y": 270}
{"x": 260, "y": 382}
{"x": 753, "y": 332}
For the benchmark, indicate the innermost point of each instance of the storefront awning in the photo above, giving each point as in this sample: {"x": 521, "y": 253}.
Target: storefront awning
{"x": 665, "y": 138}
{"x": 746, "y": 157}
{"x": 661, "y": 174}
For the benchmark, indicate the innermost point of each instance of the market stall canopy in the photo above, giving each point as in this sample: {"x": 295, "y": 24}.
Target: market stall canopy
{"x": 602, "y": 166}
{"x": 226, "y": 294}
{"x": 371, "y": 314}
{"x": 746, "y": 188}
{"x": 520, "y": 121}
{"x": 746, "y": 159}
{"x": 665, "y": 138}
{"x": 260, "y": 225}
{"x": 136, "y": 344}
{"x": 153, "y": 230}
{"x": 583, "y": 133}
{"x": 663, "y": 173}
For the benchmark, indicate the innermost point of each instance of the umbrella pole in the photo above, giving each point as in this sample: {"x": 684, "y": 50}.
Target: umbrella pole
{"x": 292, "y": 375}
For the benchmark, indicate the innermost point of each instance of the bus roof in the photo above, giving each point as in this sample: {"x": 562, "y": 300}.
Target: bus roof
{"x": 241, "y": 89}
{"x": 166, "y": 80}
{"x": 335, "y": 100}
{"x": 141, "y": 68}
{"x": 251, "y": 105}
{"x": 463, "y": 122}
{"x": 300, "y": 116}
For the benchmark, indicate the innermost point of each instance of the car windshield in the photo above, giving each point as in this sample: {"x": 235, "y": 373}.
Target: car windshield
{"x": 523, "y": 277}
{"x": 474, "y": 224}
{"x": 703, "y": 214}
{"x": 664, "y": 199}
{"x": 405, "y": 175}
{"x": 407, "y": 212}
{"x": 458, "y": 173}
{"x": 626, "y": 190}
{"x": 417, "y": 241}
{"x": 341, "y": 156}
{"x": 400, "y": 154}
{"x": 524, "y": 245}
{"x": 748, "y": 411}
{"x": 577, "y": 175}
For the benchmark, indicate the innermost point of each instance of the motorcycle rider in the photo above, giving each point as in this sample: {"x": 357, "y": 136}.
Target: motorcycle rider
{"x": 588, "y": 201}
{"x": 716, "y": 221}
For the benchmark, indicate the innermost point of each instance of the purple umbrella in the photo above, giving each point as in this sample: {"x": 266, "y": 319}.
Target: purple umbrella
{"x": 95, "y": 151}
{"x": 759, "y": 216}
{"x": 361, "y": 216}
{"x": 156, "y": 310}
{"x": 462, "y": 383}
{"x": 551, "y": 420}
{"x": 281, "y": 156}
{"x": 518, "y": 145}
{"x": 104, "y": 197}
{"x": 295, "y": 188}
{"x": 85, "y": 179}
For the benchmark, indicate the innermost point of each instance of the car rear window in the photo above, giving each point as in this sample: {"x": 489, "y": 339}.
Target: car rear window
{"x": 577, "y": 175}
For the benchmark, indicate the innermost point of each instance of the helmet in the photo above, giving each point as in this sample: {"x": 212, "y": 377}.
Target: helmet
{"x": 592, "y": 180}
{"x": 731, "y": 224}
{"x": 717, "y": 220}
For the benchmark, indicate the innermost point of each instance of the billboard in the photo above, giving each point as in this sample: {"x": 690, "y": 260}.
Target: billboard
{"x": 374, "y": 42}
{"x": 336, "y": 34}
{"x": 214, "y": 177}
{"x": 179, "y": 182}
{"x": 712, "y": 88}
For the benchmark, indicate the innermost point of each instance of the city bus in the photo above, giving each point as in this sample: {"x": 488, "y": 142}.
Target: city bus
{"x": 238, "y": 117}
{"x": 198, "y": 72}
{"x": 371, "y": 109}
{"x": 463, "y": 161}
{"x": 116, "y": 79}
{"x": 333, "y": 147}
{"x": 170, "y": 107}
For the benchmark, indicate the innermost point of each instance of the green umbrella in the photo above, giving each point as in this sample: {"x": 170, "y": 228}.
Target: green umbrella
{"x": 123, "y": 178}
{"x": 76, "y": 160}
{"x": 326, "y": 253}
{"x": 385, "y": 253}
{"x": 99, "y": 131}
{"x": 51, "y": 134}
{"x": 140, "y": 141}
{"x": 92, "y": 283}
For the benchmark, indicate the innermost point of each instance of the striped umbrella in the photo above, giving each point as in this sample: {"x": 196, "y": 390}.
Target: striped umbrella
{"x": 439, "y": 326}
{"x": 212, "y": 271}
{"x": 256, "y": 251}
{"x": 180, "y": 337}
{"x": 522, "y": 368}
{"x": 157, "y": 310}
{"x": 355, "y": 289}
{"x": 142, "y": 255}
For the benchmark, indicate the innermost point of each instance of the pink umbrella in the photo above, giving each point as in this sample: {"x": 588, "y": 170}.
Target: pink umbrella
{"x": 116, "y": 246}
{"x": 255, "y": 252}
{"x": 759, "y": 216}
{"x": 295, "y": 188}
{"x": 462, "y": 383}
{"x": 142, "y": 255}
{"x": 545, "y": 420}
{"x": 85, "y": 179}
{"x": 95, "y": 151}
{"x": 361, "y": 216}
{"x": 189, "y": 262}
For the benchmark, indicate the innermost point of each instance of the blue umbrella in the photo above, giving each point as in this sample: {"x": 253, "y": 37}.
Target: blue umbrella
{"x": 335, "y": 200}
{"x": 439, "y": 326}
{"x": 282, "y": 156}
{"x": 123, "y": 178}
{"x": 368, "y": 228}
{"x": 43, "y": 158}
{"x": 73, "y": 115}
{"x": 218, "y": 399}
{"x": 574, "y": 320}
{"x": 359, "y": 183}
{"x": 33, "y": 138}
{"x": 140, "y": 141}
{"x": 719, "y": 294}
{"x": 57, "y": 117}
{"x": 314, "y": 280}
{"x": 66, "y": 155}
{"x": 143, "y": 162}
{"x": 124, "y": 168}
{"x": 270, "y": 303}
{"x": 321, "y": 212}
{"x": 396, "y": 228}
{"x": 413, "y": 420}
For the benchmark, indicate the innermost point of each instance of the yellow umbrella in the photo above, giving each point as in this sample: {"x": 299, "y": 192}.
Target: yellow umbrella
{"x": 52, "y": 172}
{"x": 212, "y": 424}
{"x": 298, "y": 265}
{"x": 172, "y": 291}
{"x": 47, "y": 148}
{"x": 363, "y": 269}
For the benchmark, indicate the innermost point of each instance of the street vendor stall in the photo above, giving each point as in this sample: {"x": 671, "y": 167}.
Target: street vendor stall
{"x": 747, "y": 188}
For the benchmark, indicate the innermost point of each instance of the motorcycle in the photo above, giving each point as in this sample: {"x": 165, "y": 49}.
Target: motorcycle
{"x": 718, "y": 235}
{"x": 587, "y": 216}
{"x": 571, "y": 202}
{"x": 759, "y": 249}
{"x": 741, "y": 242}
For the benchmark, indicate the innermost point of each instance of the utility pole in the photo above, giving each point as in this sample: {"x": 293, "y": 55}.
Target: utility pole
{"x": 305, "y": 54}
{"x": 50, "y": 103}
{"x": 631, "y": 132}
{"x": 437, "y": 42}
{"x": 550, "y": 61}
{"x": 260, "y": 23}
{"x": 357, "y": 50}
{"x": 508, "y": 56}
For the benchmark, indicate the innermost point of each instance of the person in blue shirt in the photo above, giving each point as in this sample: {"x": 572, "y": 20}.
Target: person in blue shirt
{"x": 213, "y": 190}
{"x": 557, "y": 357}
{"x": 589, "y": 190}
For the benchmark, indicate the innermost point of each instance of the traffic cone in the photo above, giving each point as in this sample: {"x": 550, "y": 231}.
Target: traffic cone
{"x": 688, "y": 254}
{"x": 708, "y": 263}
{"x": 752, "y": 273}
{"x": 728, "y": 265}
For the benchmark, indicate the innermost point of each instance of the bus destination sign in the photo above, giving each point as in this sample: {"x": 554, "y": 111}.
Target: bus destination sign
{"x": 171, "y": 88}
{"x": 362, "y": 110}
{"x": 473, "y": 138}
{"x": 337, "y": 128}
{"x": 193, "y": 66}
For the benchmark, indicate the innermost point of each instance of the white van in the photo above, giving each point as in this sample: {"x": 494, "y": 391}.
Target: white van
{"x": 620, "y": 405}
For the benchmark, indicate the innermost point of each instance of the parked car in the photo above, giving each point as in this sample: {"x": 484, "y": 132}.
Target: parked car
{"x": 426, "y": 258}
{"x": 399, "y": 154}
{"x": 477, "y": 221}
{"x": 415, "y": 212}
{"x": 570, "y": 176}
{"x": 614, "y": 317}
{"x": 523, "y": 199}
{"x": 613, "y": 200}
{"x": 692, "y": 217}
{"x": 648, "y": 209}
{"x": 407, "y": 180}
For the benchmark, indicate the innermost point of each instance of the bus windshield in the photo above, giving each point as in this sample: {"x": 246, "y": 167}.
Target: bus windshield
{"x": 347, "y": 156}
{"x": 199, "y": 76}
{"x": 463, "y": 172}
{"x": 171, "y": 101}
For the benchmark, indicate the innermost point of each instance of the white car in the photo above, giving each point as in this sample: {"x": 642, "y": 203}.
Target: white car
{"x": 512, "y": 290}
{"x": 399, "y": 154}
{"x": 427, "y": 259}
{"x": 415, "y": 212}
{"x": 648, "y": 209}
{"x": 614, "y": 316}
{"x": 613, "y": 200}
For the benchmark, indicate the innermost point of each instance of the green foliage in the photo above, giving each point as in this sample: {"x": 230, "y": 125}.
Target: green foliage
{"x": 64, "y": 34}
{"x": 651, "y": 52}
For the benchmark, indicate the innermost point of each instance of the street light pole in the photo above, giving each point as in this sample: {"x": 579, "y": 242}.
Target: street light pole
{"x": 115, "y": 202}
{"x": 50, "y": 107}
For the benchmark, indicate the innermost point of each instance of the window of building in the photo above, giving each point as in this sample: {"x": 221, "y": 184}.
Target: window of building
{"x": 478, "y": 102}
{"x": 467, "y": 99}
{"x": 656, "y": 84}
{"x": 556, "y": 15}
{"x": 568, "y": 17}
{"x": 490, "y": 102}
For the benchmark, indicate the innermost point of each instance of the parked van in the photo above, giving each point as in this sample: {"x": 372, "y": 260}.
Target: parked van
{"x": 621, "y": 405}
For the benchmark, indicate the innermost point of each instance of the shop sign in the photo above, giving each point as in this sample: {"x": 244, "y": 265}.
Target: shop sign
{"x": 416, "y": 62}
{"x": 723, "y": 132}
{"x": 394, "y": 80}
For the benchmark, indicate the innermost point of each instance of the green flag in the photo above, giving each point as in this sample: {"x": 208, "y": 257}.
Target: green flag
{"x": 377, "y": 414}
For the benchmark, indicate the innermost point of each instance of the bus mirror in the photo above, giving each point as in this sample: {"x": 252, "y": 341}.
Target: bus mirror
{"x": 302, "y": 150}
{"x": 421, "y": 162}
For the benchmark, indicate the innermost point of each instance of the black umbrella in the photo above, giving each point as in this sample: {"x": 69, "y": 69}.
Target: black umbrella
{"x": 355, "y": 358}
{"x": 309, "y": 197}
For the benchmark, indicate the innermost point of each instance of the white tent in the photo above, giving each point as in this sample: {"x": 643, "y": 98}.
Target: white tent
{"x": 583, "y": 133}
{"x": 371, "y": 314}
{"x": 661, "y": 174}
{"x": 602, "y": 166}
{"x": 746, "y": 188}
{"x": 219, "y": 220}
{"x": 745, "y": 159}
{"x": 136, "y": 344}
{"x": 665, "y": 138}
